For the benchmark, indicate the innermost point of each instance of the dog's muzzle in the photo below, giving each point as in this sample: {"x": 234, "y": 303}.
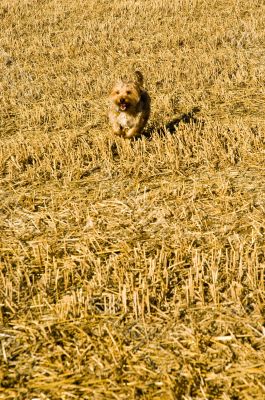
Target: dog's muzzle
{"x": 123, "y": 104}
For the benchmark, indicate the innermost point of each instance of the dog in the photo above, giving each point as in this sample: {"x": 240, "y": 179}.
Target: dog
{"x": 129, "y": 108}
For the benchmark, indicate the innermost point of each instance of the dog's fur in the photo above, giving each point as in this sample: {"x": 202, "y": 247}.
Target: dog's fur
{"x": 129, "y": 107}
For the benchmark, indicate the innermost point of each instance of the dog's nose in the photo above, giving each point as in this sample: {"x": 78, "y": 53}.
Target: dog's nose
{"x": 122, "y": 100}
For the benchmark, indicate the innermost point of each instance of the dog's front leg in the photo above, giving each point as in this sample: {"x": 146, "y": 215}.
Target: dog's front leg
{"x": 132, "y": 132}
{"x": 117, "y": 129}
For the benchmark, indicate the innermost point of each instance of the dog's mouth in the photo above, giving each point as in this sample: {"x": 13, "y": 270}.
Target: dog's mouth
{"x": 123, "y": 106}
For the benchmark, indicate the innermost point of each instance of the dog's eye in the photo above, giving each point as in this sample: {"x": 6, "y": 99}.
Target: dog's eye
{"x": 128, "y": 92}
{"x": 117, "y": 92}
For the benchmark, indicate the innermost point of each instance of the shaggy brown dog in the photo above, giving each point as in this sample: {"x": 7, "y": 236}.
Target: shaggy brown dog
{"x": 129, "y": 107}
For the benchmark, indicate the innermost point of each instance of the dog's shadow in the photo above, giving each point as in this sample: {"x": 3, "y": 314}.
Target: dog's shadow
{"x": 171, "y": 126}
{"x": 163, "y": 130}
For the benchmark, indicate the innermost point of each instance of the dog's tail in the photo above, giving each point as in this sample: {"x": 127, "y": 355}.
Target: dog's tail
{"x": 139, "y": 78}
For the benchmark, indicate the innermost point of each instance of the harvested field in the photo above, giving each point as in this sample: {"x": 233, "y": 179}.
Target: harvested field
{"x": 132, "y": 269}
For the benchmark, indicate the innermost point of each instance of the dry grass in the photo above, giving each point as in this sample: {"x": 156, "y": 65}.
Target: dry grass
{"x": 132, "y": 269}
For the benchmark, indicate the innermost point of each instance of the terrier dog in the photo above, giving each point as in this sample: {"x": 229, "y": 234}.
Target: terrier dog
{"x": 129, "y": 107}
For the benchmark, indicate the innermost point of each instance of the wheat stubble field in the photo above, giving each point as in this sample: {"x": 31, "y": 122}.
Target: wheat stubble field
{"x": 132, "y": 269}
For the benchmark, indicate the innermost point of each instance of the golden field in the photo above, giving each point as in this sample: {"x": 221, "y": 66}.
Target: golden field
{"x": 132, "y": 269}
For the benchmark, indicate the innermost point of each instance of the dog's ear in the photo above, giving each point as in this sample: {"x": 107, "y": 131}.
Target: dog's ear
{"x": 139, "y": 78}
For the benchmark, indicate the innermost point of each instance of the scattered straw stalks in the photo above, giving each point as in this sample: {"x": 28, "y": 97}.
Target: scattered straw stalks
{"x": 132, "y": 269}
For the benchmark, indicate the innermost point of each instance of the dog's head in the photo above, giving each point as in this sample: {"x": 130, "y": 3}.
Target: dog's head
{"x": 126, "y": 94}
